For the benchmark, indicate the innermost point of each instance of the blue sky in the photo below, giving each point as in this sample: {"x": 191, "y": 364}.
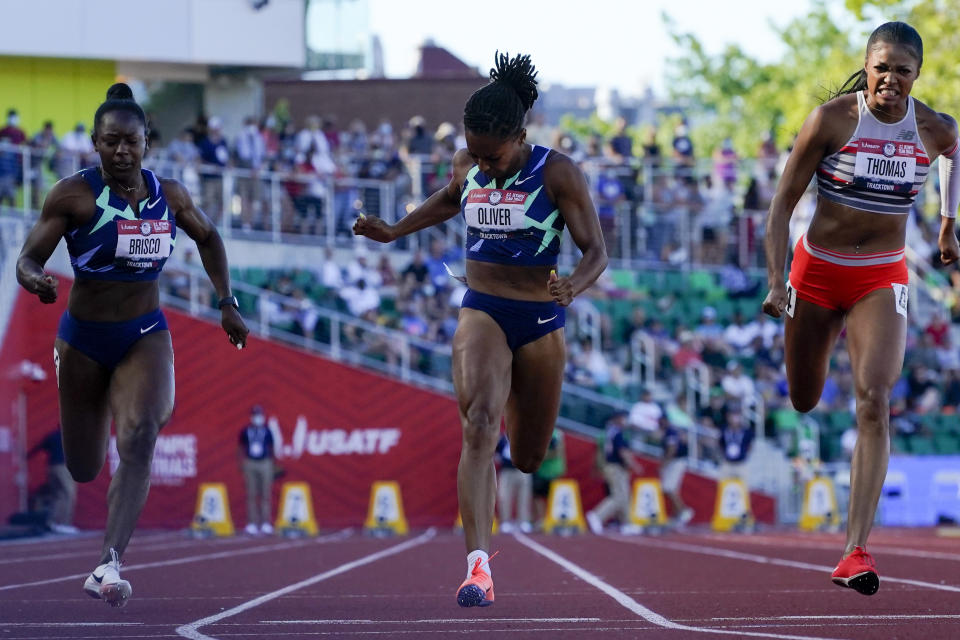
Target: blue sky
{"x": 610, "y": 43}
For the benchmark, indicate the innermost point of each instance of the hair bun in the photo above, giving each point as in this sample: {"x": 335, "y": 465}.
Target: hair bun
{"x": 119, "y": 91}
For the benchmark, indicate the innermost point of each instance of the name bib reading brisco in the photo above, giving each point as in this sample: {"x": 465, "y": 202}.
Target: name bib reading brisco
{"x": 495, "y": 209}
{"x": 885, "y": 165}
{"x": 142, "y": 244}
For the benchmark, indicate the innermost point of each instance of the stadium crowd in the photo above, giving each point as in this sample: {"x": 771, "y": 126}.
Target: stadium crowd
{"x": 686, "y": 213}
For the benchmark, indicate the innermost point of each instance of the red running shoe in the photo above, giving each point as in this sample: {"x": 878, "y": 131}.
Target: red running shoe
{"x": 857, "y": 571}
{"x": 477, "y": 590}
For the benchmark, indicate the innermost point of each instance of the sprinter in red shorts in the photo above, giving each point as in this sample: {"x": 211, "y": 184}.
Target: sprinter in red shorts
{"x": 870, "y": 147}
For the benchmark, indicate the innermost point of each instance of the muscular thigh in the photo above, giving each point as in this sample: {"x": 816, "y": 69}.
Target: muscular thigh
{"x": 142, "y": 388}
{"x": 876, "y": 337}
{"x": 481, "y": 364}
{"x": 535, "y": 393}
{"x": 809, "y": 337}
{"x": 83, "y": 386}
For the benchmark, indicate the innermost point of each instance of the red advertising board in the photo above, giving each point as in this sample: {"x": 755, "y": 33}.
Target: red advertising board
{"x": 338, "y": 429}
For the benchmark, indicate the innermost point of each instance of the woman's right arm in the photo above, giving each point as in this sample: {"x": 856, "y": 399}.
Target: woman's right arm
{"x": 811, "y": 146}
{"x": 43, "y": 239}
{"x": 441, "y": 206}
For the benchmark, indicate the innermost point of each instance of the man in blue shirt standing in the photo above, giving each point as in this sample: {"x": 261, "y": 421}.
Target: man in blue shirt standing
{"x": 256, "y": 460}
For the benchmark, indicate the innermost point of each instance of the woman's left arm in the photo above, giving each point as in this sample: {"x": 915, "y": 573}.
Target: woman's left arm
{"x": 212, "y": 254}
{"x": 945, "y": 137}
{"x": 567, "y": 187}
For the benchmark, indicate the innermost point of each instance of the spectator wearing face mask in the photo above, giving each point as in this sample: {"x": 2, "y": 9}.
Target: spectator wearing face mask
{"x": 256, "y": 461}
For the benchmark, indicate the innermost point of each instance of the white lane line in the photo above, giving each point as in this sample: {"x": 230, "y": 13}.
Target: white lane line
{"x": 191, "y": 630}
{"x": 137, "y": 548}
{"x": 632, "y": 605}
{"x": 71, "y": 624}
{"x": 207, "y": 556}
{"x": 750, "y": 557}
{"x": 892, "y": 616}
{"x": 809, "y": 544}
{"x": 437, "y": 621}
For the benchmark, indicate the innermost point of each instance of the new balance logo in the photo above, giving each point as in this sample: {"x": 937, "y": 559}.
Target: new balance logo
{"x": 906, "y": 134}
{"x": 540, "y": 321}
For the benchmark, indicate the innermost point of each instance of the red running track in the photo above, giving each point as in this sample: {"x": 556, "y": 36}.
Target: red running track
{"x": 345, "y": 585}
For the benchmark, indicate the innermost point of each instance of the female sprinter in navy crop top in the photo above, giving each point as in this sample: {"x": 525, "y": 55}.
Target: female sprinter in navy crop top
{"x": 113, "y": 353}
{"x": 508, "y": 349}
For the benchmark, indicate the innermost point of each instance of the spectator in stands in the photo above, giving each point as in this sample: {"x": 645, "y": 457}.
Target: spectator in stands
{"x": 619, "y": 462}
{"x": 12, "y": 131}
{"x": 652, "y": 156}
{"x": 589, "y": 366}
{"x": 182, "y": 149}
{"x": 673, "y": 467}
{"x": 256, "y": 456}
{"x": 312, "y": 142}
{"x": 414, "y": 275}
{"x": 709, "y": 327}
{"x": 645, "y": 414}
{"x": 43, "y": 151}
{"x": 418, "y": 141}
{"x": 554, "y": 465}
{"x": 715, "y": 413}
{"x": 736, "y": 438}
{"x": 737, "y": 384}
{"x": 514, "y": 488}
{"x": 360, "y": 299}
{"x": 621, "y": 143}
{"x": 61, "y": 488}
{"x": 359, "y": 268}
{"x": 9, "y": 172}
{"x": 738, "y": 334}
{"x": 683, "y": 153}
{"x": 725, "y": 162}
{"x": 735, "y": 281}
{"x": 75, "y": 149}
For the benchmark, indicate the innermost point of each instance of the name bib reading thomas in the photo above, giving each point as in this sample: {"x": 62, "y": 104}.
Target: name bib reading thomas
{"x": 142, "y": 244}
{"x": 496, "y": 209}
{"x": 885, "y": 165}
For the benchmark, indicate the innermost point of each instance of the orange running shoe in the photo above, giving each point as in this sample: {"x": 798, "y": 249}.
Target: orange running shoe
{"x": 858, "y": 571}
{"x": 477, "y": 590}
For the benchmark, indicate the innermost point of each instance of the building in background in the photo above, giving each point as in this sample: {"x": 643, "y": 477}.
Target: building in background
{"x": 184, "y": 58}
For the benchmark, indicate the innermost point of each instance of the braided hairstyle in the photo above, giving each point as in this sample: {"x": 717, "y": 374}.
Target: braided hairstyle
{"x": 119, "y": 98}
{"x": 499, "y": 108}
{"x": 892, "y": 33}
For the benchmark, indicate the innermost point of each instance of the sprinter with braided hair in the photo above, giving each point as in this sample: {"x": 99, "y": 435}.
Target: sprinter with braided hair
{"x": 508, "y": 351}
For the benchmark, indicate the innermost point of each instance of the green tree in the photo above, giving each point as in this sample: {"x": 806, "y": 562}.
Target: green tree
{"x": 732, "y": 94}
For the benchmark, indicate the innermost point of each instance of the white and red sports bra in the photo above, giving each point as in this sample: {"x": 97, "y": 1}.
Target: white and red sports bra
{"x": 880, "y": 169}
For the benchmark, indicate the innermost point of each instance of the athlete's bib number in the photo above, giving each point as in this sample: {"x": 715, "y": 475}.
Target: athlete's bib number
{"x": 143, "y": 243}
{"x": 495, "y": 209}
{"x": 885, "y": 166}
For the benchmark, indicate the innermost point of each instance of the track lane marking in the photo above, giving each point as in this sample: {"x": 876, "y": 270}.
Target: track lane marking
{"x": 750, "y": 557}
{"x": 139, "y": 548}
{"x": 190, "y": 630}
{"x": 436, "y": 621}
{"x": 344, "y": 533}
{"x": 767, "y": 541}
{"x": 632, "y": 605}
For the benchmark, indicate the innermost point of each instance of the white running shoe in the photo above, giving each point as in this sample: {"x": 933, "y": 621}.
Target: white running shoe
{"x": 685, "y": 516}
{"x": 266, "y": 528}
{"x": 251, "y": 529}
{"x": 104, "y": 583}
{"x": 593, "y": 521}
